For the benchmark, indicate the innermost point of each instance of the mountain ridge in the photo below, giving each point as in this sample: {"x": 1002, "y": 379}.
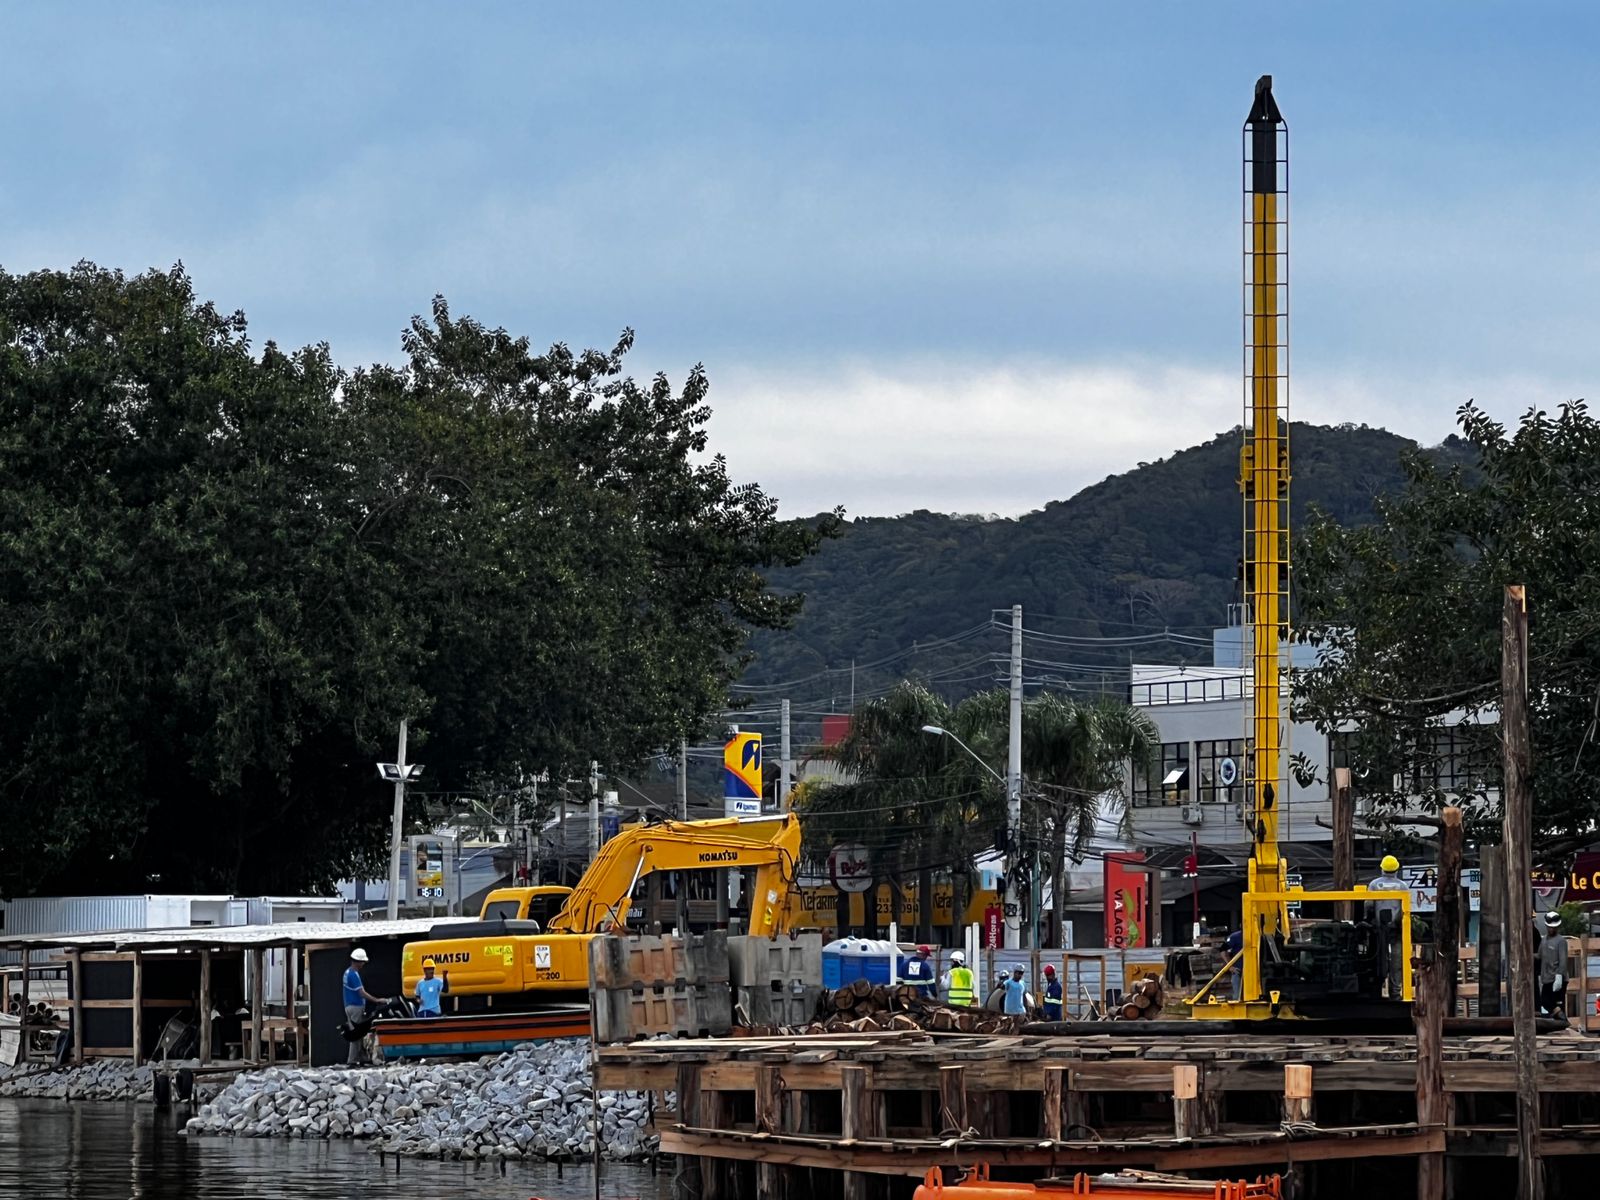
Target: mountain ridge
{"x": 1152, "y": 548}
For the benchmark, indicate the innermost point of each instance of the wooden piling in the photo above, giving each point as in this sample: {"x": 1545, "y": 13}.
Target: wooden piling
{"x": 858, "y": 1109}
{"x": 953, "y": 1120}
{"x": 1517, "y": 803}
{"x": 1194, "y": 1108}
{"x": 772, "y": 1179}
{"x": 258, "y": 963}
{"x": 75, "y": 957}
{"x": 1435, "y": 989}
{"x": 138, "y": 1008}
{"x": 688, "y": 1088}
{"x": 1053, "y": 1103}
{"x": 1299, "y": 1098}
{"x": 205, "y": 1006}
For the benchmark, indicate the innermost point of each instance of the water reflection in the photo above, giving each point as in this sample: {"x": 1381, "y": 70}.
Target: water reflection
{"x": 93, "y": 1151}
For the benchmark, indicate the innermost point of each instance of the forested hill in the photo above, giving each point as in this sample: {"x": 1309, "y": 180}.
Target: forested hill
{"x": 1151, "y": 549}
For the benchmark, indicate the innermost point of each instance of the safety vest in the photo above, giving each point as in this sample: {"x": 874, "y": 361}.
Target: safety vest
{"x": 960, "y": 986}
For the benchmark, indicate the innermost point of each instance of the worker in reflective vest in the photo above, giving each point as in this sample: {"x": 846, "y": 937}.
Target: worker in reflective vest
{"x": 958, "y": 981}
{"x": 1052, "y": 994}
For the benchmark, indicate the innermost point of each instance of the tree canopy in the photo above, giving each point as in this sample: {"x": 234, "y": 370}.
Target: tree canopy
{"x": 227, "y": 575}
{"x": 1408, "y": 610}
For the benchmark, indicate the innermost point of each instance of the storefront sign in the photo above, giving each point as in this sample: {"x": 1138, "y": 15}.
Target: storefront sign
{"x": 1125, "y": 901}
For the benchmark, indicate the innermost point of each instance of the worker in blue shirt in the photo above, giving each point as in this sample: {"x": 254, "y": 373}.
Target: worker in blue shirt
{"x": 429, "y": 989}
{"x": 1016, "y": 994}
{"x": 1052, "y": 994}
{"x": 918, "y": 971}
{"x": 356, "y": 999}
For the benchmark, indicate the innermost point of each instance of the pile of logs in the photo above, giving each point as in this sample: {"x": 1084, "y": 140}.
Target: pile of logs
{"x": 864, "y": 1007}
{"x": 1143, "y": 1001}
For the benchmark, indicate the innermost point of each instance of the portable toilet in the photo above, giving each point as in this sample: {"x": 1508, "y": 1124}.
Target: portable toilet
{"x": 848, "y": 959}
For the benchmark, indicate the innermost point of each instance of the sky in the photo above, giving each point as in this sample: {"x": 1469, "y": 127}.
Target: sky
{"x": 959, "y": 257}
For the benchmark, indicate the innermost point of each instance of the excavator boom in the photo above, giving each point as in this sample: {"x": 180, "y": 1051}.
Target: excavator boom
{"x": 518, "y": 960}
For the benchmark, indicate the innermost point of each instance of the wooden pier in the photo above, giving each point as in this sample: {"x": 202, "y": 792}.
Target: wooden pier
{"x": 864, "y": 1116}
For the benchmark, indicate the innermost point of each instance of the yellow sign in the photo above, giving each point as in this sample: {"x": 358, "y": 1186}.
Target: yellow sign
{"x": 741, "y": 770}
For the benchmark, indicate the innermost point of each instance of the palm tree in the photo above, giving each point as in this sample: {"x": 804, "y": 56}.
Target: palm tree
{"x": 913, "y": 805}
{"x": 1075, "y": 759}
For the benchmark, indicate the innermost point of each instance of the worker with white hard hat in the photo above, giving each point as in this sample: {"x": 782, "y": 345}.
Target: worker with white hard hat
{"x": 958, "y": 984}
{"x": 1552, "y": 966}
{"x": 356, "y": 999}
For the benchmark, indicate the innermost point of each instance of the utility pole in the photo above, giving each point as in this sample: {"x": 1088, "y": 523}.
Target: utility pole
{"x": 1518, "y": 833}
{"x": 395, "y": 826}
{"x": 1013, "y": 934}
{"x": 1344, "y": 841}
{"x": 683, "y": 779}
{"x": 594, "y": 810}
{"x": 785, "y": 763}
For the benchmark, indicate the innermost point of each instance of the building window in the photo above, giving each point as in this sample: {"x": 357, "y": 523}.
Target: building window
{"x": 1173, "y": 783}
{"x": 1220, "y": 771}
{"x": 1458, "y": 759}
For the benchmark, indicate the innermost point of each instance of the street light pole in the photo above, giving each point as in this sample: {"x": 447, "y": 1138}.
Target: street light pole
{"x": 1014, "y": 784}
{"x": 395, "y": 825}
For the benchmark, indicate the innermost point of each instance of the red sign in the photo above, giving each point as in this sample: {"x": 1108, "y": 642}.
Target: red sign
{"x": 994, "y": 926}
{"x": 1583, "y": 882}
{"x": 1125, "y": 901}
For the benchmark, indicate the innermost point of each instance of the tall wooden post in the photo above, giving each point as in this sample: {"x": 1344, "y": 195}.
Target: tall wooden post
{"x": 1344, "y": 841}
{"x": 77, "y": 1004}
{"x": 1491, "y": 923}
{"x": 138, "y": 1008}
{"x": 22, "y": 1013}
{"x": 953, "y": 1121}
{"x": 1447, "y": 920}
{"x": 1518, "y": 804}
{"x": 258, "y": 970}
{"x": 1435, "y": 999}
{"x": 205, "y": 1005}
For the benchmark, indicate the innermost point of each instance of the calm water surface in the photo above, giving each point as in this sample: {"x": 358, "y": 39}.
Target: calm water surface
{"x": 94, "y": 1151}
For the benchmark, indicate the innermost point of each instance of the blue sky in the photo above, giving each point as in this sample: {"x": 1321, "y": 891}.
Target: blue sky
{"x": 935, "y": 256}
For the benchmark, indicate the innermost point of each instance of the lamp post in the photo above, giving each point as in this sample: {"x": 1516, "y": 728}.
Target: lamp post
{"x": 398, "y": 773}
{"x": 1013, "y": 828}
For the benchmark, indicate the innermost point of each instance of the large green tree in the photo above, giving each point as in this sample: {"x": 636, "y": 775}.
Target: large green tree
{"x": 1408, "y": 611}
{"x": 228, "y": 574}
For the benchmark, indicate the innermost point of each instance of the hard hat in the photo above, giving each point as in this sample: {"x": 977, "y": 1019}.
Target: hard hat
{"x": 1049, "y": 970}
{"x": 1390, "y": 863}
{"x": 1552, "y": 918}
{"x": 426, "y": 963}
{"x": 957, "y": 957}
{"x": 924, "y": 949}
{"x": 358, "y": 955}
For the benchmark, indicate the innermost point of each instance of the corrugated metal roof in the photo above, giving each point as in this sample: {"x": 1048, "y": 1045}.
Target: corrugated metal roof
{"x": 289, "y": 933}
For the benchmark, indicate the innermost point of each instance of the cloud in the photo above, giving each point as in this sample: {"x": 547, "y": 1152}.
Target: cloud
{"x": 961, "y": 436}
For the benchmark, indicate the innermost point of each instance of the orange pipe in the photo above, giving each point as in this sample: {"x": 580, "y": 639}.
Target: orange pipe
{"x": 977, "y": 1185}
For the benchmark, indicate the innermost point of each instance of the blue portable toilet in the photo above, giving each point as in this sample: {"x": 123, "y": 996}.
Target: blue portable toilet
{"x": 848, "y": 959}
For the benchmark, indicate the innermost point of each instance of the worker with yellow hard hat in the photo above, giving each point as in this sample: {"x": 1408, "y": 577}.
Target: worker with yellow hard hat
{"x": 429, "y": 989}
{"x": 1386, "y": 914}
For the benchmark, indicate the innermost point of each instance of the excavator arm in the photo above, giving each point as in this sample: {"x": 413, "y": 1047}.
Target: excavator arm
{"x": 770, "y": 844}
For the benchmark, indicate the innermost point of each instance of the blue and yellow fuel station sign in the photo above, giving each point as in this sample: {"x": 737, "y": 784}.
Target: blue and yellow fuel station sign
{"x": 741, "y": 775}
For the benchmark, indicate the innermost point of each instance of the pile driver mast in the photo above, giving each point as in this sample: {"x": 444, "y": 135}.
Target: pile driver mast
{"x": 1280, "y": 976}
{"x": 1264, "y": 480}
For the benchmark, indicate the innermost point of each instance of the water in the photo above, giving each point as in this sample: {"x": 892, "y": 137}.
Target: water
{"x": 98, "y": 1151}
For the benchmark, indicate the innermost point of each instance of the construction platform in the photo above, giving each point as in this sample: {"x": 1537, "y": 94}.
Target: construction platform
{"x": 866, "y": 1115}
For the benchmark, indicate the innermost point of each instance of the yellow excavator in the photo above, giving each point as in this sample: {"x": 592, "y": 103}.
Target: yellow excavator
{"x": 503, "y": 960}
{"x": 1320, "y": 968}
